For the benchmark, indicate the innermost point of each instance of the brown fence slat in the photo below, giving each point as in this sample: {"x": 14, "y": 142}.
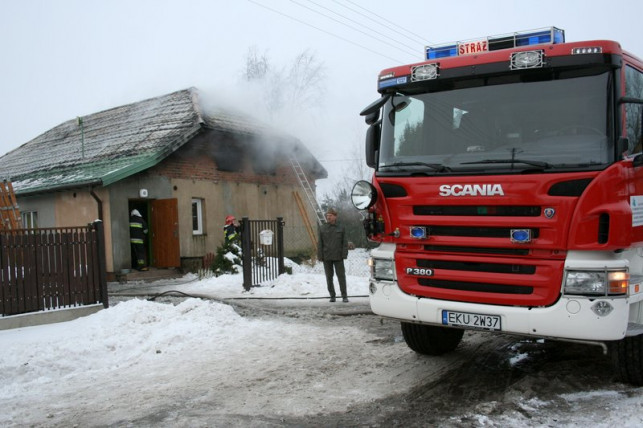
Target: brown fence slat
{"x": 30, "y": 276}
{"x": 3, "y": 270}
{"x": 45, "y": 266}
{"x": 10, "y": 283}
{"x": 73, "y": 280}
{"x": 54, "y": 266}
{"x": 65, "y": 285}
{"x": 16, "y": 280}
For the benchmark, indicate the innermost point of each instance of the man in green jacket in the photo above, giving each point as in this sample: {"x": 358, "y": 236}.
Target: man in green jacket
{"x": 332, "y": 249}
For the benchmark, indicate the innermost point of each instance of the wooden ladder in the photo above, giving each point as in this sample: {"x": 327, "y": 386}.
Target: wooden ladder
{"x": 308, "y": 190}
{"x": 9, "y": 213}
{"x": 304, "y": 216}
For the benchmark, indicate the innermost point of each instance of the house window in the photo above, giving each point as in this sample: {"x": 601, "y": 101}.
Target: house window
{"x": 29, "y": 219}
{"x": 197, "y": 216}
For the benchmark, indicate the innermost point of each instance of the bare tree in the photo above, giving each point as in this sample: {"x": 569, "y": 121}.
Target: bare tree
{"x": 257, "y": 65}
{"x": 305, "y": 80}
{"x": 296, "y": 87}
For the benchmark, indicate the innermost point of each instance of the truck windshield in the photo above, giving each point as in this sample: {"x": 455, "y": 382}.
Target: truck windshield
{"x": 546, "y": 125}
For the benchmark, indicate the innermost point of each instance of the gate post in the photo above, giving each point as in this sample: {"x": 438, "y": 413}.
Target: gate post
{"x": 246, "y": 253}
{"x": 100, "y": 251}
{"x": 280, "y": 245}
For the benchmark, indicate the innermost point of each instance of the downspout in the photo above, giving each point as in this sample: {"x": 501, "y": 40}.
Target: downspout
{"x": 102, "y": 249}
{"x": 99, "y": 203}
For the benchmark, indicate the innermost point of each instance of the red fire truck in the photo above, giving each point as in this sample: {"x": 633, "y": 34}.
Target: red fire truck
{"x": 507, "y": 194}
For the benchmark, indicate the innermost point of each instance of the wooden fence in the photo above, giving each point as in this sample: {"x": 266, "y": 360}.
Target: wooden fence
{"x": 52, "y": 268}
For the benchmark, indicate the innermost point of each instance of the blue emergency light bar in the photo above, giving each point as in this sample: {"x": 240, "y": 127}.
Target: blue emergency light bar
{"x": 551, "y": 35}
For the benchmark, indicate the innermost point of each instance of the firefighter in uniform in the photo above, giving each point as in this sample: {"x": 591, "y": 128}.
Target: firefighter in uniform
{"x": 137, "y": 233}
{"x": 231, "y": 229}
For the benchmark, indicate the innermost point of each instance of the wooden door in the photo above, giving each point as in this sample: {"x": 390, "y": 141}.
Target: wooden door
{"x": 164, "y": 228}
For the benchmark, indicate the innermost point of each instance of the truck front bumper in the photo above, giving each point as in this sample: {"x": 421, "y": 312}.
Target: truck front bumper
{"x": 569, "y": 318}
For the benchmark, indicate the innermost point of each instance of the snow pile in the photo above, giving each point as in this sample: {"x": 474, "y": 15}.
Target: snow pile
{"x": 305, "y": 282}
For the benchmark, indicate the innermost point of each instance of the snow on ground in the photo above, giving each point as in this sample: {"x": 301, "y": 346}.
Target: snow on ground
{"x": 141, "y": 358}
{"x": 305, "y": 282}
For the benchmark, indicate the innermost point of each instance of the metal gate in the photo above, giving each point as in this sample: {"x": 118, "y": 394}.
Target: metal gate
{"x": 262, "y": 247}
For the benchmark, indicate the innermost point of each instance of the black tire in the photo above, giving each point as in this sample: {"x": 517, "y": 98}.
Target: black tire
{"x": 627, "y": 358}
{"x": 431, "y": 340}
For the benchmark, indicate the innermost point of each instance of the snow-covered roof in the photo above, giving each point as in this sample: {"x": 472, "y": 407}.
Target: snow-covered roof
{"x": 104, "y": 147}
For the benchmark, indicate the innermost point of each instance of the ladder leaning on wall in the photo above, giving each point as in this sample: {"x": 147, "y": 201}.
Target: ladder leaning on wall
{"x": 308, "y": 190}
{"x": 9, "y": 213}
{"x": 304, "y": 216}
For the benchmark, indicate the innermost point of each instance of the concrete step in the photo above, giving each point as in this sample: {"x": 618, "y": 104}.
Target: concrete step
{"x": 153, "y": 274}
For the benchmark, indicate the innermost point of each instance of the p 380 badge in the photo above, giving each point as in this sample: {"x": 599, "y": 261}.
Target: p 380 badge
{"x": 419, "y": 271}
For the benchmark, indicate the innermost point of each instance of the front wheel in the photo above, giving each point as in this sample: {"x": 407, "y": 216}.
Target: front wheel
{"x": 627, "y": 358}
{"x": 431, "y": 340}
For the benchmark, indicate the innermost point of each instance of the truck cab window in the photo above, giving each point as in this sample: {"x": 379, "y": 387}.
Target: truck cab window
{"x": 633, "y": 89}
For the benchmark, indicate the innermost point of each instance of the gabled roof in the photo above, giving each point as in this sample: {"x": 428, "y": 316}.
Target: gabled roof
{"x": 105, "y": 147}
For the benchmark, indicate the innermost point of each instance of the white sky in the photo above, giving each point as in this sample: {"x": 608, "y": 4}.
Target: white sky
{"x": 67, "y": 58}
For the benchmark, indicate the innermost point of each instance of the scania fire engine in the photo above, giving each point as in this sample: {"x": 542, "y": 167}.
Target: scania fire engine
{"x": 507, "y": 194}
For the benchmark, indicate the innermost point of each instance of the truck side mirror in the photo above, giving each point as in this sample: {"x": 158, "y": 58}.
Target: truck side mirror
{"x": 372, "y": 144}
{"x": 637, "y": 161}
{"x": 371, "y": 118}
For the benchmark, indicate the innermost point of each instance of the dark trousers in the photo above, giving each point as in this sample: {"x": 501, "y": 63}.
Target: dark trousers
{"x": 138, "y": 255}
{"x": 338, "y": 267}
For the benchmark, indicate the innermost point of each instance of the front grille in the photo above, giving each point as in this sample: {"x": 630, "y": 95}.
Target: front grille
{"x": 475, "y": 286}
{"x": 477, "y": 267}
{"x": 475, "y": 231}
{"x": 476, "y": 250}
{"x": 477, "y": 210}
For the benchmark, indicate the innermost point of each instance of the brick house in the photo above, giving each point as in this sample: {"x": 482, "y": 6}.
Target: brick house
{"x": 182, "y": 165}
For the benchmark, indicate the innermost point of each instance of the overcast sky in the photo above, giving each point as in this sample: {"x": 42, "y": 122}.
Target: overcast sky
{"x": 67, "y": 58}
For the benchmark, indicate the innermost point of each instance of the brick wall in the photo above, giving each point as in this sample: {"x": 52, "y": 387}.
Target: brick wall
{"x": 199, "y": 158}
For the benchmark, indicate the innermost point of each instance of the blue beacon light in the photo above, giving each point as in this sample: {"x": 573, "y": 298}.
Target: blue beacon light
{"x": 550, "y": 35}
{"x": 418, "y": 232}
{"x": 520, "y": 236}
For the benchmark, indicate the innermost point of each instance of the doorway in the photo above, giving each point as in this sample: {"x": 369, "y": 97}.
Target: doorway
{"x": 142, "y": 206}
{"x": 162, "y": 246}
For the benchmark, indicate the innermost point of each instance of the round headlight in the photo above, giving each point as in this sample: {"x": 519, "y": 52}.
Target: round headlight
{"x": 363, "y": 195}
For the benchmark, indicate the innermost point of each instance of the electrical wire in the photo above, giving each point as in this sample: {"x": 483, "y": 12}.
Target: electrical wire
{"x": 327, "y": 32}
{"x": 410, "y": 50}
{"x": 419, "y": 39}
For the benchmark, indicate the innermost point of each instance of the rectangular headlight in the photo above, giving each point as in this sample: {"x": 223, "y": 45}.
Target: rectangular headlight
{"x": 596, "y": 283}
{"x": 383, "y": 269}
{"x": 527, "y": 59}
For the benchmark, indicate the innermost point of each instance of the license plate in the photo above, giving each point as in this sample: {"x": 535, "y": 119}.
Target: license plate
{"x": 466, "y": 319}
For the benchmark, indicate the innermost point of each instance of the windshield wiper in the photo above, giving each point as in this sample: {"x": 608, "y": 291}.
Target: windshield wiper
{"x": 539, "y": 164}
{"x": 436, "y": 166}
